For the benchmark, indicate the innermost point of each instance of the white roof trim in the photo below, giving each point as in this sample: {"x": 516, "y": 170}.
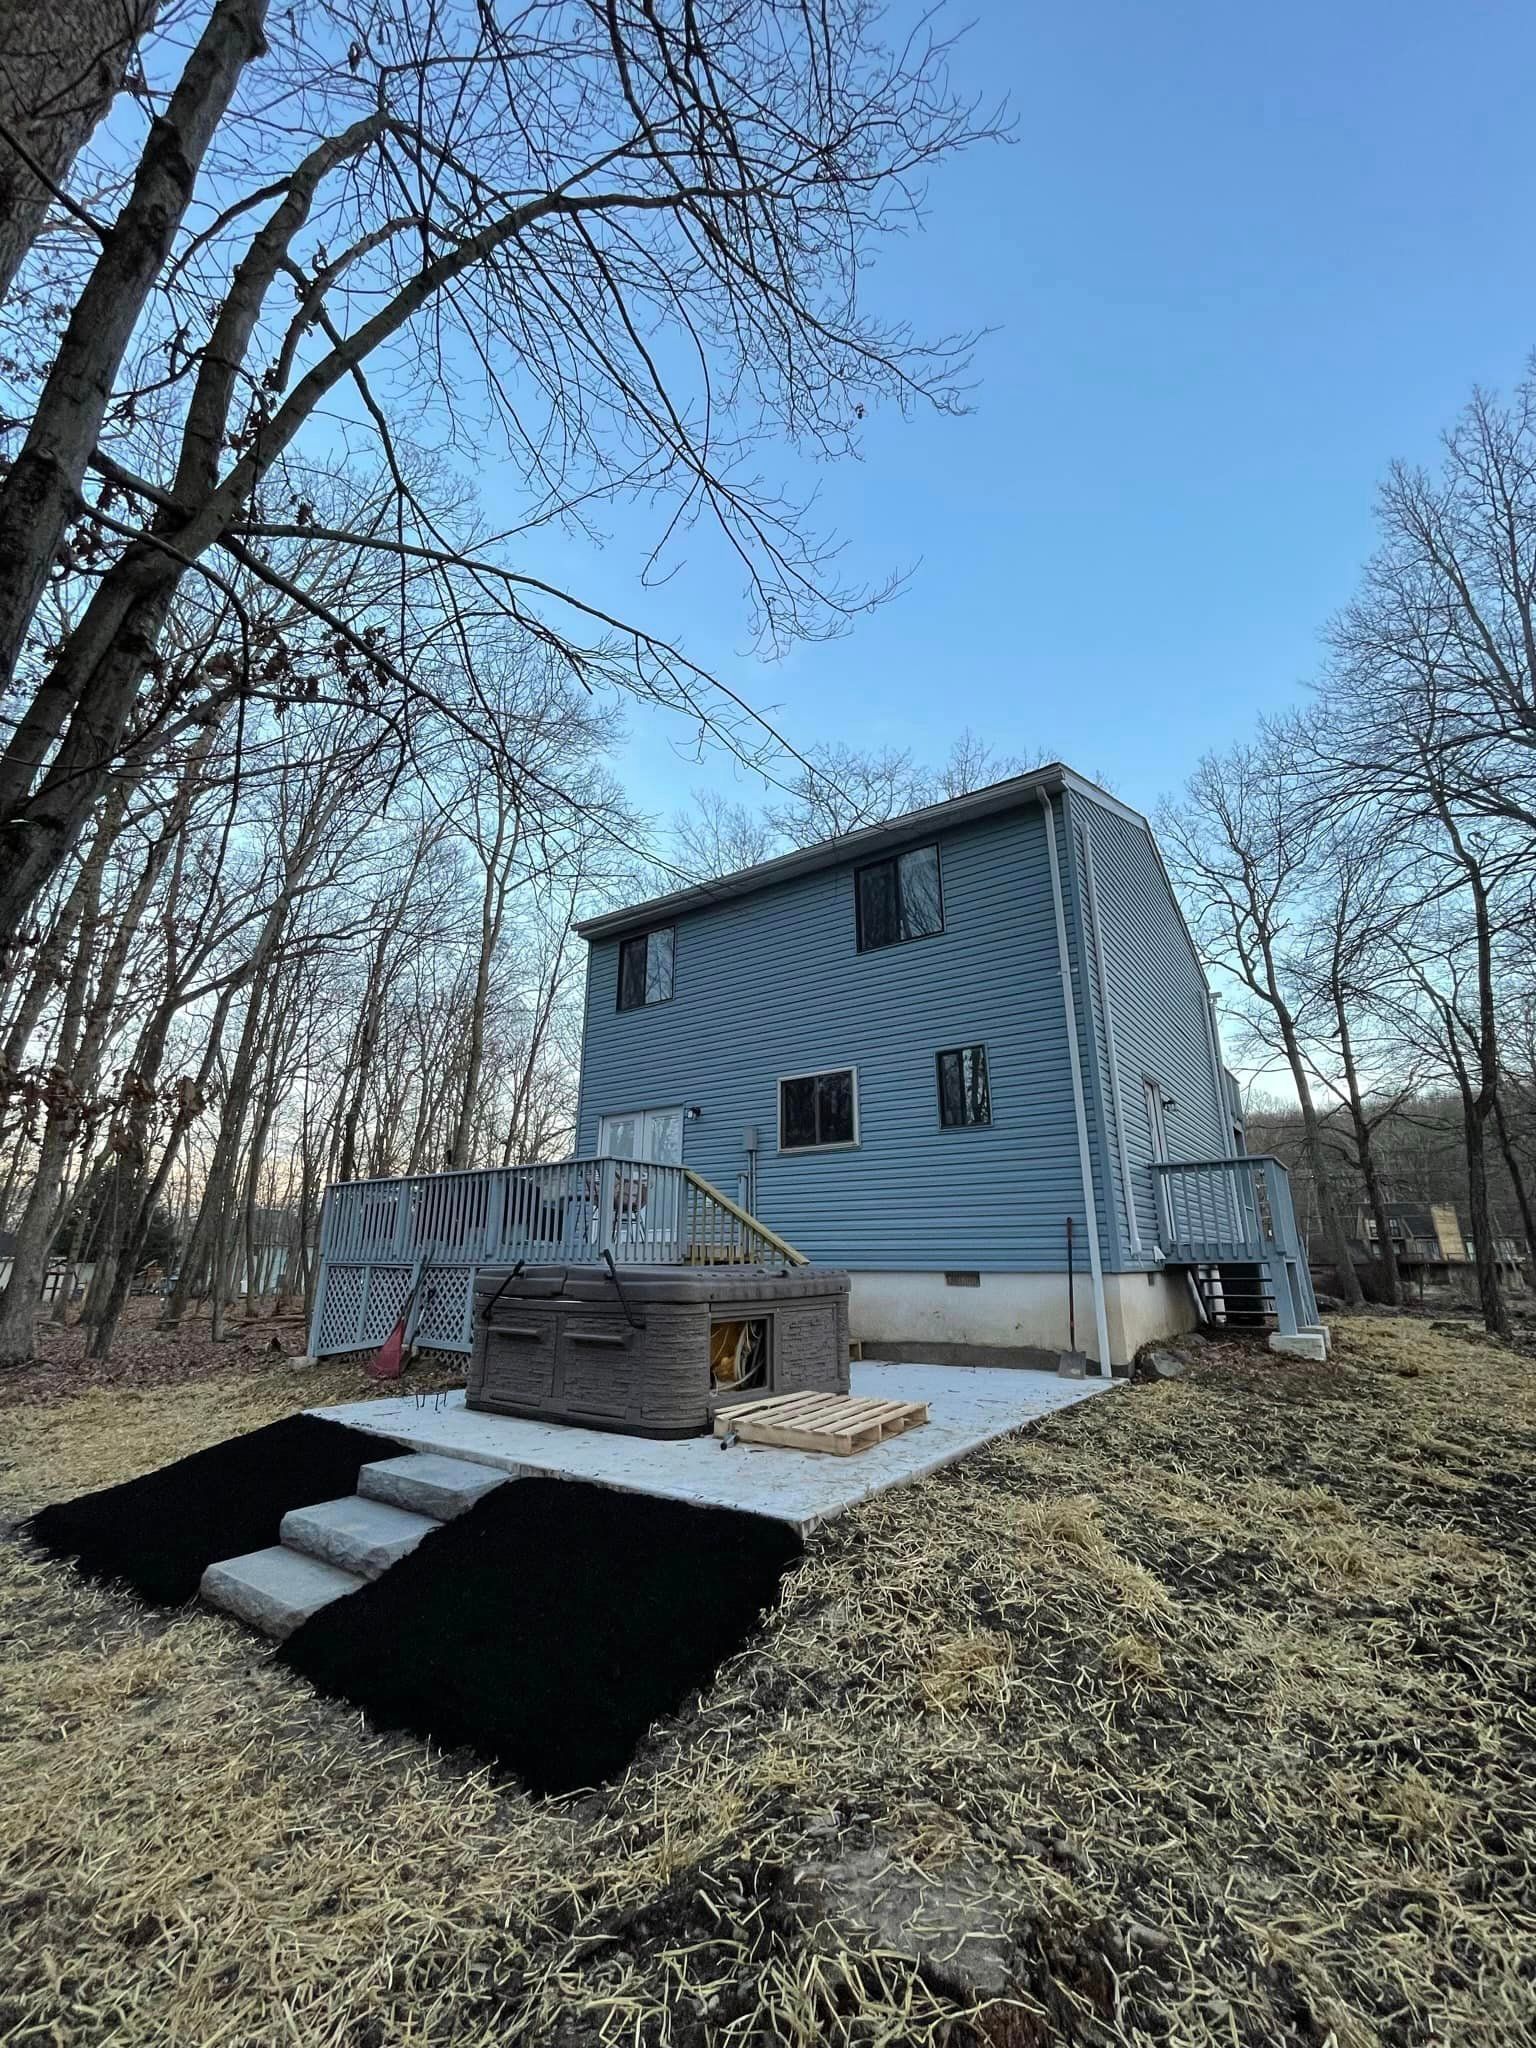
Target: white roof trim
{"x": 852, "y": 846}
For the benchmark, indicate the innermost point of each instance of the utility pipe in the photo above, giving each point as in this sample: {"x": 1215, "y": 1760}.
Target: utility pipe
{"x": 1218, "y": 1072}
{"x": 1106, "y": 1010}
{"x": 1079, "y": 1105}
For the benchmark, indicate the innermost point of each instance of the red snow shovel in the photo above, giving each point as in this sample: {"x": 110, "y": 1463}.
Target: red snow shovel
{"x": 388, "y": 1362}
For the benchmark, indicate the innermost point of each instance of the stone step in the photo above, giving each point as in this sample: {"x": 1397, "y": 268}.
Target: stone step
{"x": 357, "y": 1535}
{"x": 274, "y": 1590}
{"x": 428, "y": 1484}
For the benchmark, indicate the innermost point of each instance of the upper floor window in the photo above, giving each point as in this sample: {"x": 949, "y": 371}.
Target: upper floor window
{"x": 645, "y": 968}
{"x": 899, "y": 899}
{"x": 965, "y": 1095}
{"x": 818, "y": 1109}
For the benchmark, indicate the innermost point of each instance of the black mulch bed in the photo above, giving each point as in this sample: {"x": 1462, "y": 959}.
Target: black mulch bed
{"x": 158, "y": 1534}
{"x": 550, "y": 1626}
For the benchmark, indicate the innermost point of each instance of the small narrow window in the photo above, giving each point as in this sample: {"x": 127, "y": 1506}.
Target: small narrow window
{"x": 645, "y": 969}
{"x": 965, "y": 1096}
{"x": 818, "y": 1109}
{"x": 899, "y": 899}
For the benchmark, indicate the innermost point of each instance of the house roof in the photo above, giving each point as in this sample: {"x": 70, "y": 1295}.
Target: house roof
{"x": 1412, "y": 1217}
{"x": 865, "y": 844}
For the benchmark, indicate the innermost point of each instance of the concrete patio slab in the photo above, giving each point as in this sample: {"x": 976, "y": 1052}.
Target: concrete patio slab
{"x": 967, "y": 1405}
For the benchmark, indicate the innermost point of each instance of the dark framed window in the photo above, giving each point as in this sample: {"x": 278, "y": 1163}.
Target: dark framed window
{"x": 819, "y": 1109}
{"x": 645, "y": 968}
{"x": 899, "y": 899}
{"x": 965, "y": 1094}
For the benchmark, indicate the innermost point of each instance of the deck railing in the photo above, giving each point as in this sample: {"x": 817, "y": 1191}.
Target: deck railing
{"x": 388, "y": 1247}
{"x": 1226, "y": 1209}
{"x": 1215, "y": 1212}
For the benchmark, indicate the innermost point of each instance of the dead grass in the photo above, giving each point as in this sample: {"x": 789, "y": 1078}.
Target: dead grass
{"x": 55, "y": 1449}
{"x": 1202, "y": 1715}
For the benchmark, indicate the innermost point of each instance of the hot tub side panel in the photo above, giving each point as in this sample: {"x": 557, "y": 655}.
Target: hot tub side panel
{"x": 640, "y": 1364}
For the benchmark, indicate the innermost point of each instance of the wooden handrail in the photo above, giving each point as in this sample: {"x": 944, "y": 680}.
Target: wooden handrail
{"x": 769, "y": 1237}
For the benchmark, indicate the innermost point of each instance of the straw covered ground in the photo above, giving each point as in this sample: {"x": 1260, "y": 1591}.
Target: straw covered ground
{"x": 1201, "y": 1714}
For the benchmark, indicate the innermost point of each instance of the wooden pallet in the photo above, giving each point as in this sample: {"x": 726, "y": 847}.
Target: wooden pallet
{"x": 839, "y": 1423}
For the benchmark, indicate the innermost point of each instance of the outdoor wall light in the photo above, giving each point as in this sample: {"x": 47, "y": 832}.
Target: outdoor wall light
{"x": 694, "y": 1112}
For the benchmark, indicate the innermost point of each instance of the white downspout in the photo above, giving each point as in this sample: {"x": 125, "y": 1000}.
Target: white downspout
{"x": 1107, "y": 1012}
{"x": 1223, "y": 1104}
{"x": 1079, "y": 1105}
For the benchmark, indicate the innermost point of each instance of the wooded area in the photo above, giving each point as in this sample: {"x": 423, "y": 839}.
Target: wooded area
{"x": 1361, "y": 875}
{"x": 306, "y": 770}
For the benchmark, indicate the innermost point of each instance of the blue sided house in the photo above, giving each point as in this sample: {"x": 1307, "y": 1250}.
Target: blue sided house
{"x": 969, "y": 1055}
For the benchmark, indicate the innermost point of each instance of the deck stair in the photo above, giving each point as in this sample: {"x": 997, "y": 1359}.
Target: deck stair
{"x": 1237, "y": 1297}
{"x": 331, "y": 1548}
{"x": 1231, "y": 1224}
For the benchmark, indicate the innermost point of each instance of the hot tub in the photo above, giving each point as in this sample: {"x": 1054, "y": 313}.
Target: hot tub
{"x": 653, "y": 1350}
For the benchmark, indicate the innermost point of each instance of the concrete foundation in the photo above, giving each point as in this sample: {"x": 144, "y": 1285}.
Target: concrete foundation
{"x": 1010, "y": 1318}
{"x": 1311, "y": 1343}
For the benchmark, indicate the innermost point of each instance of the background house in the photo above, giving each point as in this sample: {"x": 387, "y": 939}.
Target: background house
{"x": 1433, "y": 1252}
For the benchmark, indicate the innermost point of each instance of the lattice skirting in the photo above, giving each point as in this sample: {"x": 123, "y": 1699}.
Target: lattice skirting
{"x": 359, "y": 1304}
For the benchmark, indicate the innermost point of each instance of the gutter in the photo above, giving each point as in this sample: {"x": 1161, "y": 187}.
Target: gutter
{"x": 1079, "y": 1103}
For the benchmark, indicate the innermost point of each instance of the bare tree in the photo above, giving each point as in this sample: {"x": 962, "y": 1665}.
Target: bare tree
{"x": 719, "y": 835}
{"x": 1350, "y": 928}
{"x": 839, "y": 788}
{"x": 1244, "y": 841}
{"x": 1430, "y": 728}
{"x": 562, "y": 204}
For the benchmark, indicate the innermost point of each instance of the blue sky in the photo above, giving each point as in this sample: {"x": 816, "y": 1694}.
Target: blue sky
{"x": 1235, "y": 261}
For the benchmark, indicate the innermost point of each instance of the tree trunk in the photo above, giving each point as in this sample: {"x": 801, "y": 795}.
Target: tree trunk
{"x": 44, "y": 978}
{"x": 1334, "y": 1234}
{"x": 493, "y": 905}
{"x": 63, "y": 64}
{"x": 39, "y": 1219}
{"x": 1489, "y": 1287}
{"x": 266, "y": 1109}
{"x": 1365, "y": 1154}
{"x": 34, "y": 1241}
{"x": 112, "y": 1308}
{"x": 83, "y": 1201}
{"x": 42, "y": 488}
{"x": 1386, "y": 1258}
{"x": 1517, "y": 1176}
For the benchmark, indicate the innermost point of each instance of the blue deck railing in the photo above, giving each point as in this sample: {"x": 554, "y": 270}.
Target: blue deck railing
{"x": 1216, "y": 1212}
{"x": 413, "y": 1246}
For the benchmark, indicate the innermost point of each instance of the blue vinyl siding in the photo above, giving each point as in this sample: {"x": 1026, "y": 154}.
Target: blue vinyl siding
{"x": 1155, "y": 984}
{"x": 773, "y": 984}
